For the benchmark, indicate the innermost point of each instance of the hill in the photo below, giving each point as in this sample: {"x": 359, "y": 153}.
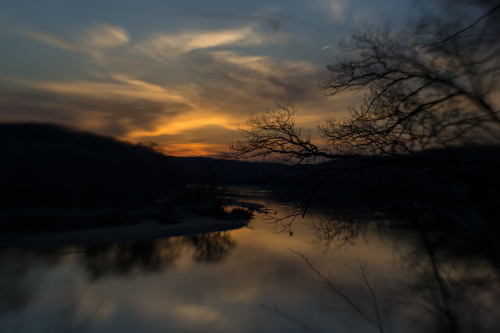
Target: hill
{"x": 51, "y": 165}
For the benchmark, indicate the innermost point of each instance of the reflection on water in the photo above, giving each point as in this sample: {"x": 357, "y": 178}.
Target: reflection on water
{"x": 156, "y": 255}
{"x": 459, "y": 289}
{"x": 451, "y": 278}
{"x": 333, "y": 274}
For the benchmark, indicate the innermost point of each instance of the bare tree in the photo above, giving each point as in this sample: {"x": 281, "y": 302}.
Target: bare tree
{"x": 430, "y": 86}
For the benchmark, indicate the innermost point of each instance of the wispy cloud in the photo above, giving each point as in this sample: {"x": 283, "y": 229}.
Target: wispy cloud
{"x": 48, "y": 39}
{"x": 93, "y": 41}
{"x": 247, "y": 76}
{"x": 105, "y": 36}
{"x": 123, "y": 87}
{"x": 264, "y": 65}
{"x": 164, "y": 46}
{"x": 335, "y": 9}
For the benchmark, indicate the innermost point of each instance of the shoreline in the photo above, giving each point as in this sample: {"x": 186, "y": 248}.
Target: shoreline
{"x": 145, "y": 230}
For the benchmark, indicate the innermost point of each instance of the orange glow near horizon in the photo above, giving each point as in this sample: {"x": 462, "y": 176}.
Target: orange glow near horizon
{"x": 179, "y": 124}
{"x": 203, "y": 133}
{"x": 192, "y": 149}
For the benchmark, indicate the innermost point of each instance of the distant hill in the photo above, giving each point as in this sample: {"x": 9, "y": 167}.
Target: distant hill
{"x": 51, "y": 165}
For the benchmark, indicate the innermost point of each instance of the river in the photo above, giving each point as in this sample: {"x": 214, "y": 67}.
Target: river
{"x": 316, "y": 275}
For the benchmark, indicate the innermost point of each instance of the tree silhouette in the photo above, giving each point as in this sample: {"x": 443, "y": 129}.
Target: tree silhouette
{"x": 426, "y": 134}
{"x": 431, "y": 85}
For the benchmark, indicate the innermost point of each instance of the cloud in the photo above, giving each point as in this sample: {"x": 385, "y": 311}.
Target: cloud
{"x": 335, "y": 9}
{"x": 264, "y": 65}
{"x": 114, "y": 107}
{"x": 247, "y": 76}
{"x": 123, "y": 88}
{"x": 105, "y": 36}
{"x": 368, "y": 17}
{"x": 164, "y": 46}
{"x": 94, "y": 41}
{"x": 48, "y": 39}
{"x": 473, "y": 9}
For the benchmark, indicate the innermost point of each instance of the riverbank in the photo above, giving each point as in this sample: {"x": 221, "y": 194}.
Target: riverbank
{"x": 187, "y": 224}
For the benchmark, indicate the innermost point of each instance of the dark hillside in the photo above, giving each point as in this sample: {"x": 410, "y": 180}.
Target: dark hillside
{"x": 50, "y": 165}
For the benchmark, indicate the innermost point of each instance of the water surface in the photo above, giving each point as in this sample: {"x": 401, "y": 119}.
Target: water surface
{"x": 254, "y": 279}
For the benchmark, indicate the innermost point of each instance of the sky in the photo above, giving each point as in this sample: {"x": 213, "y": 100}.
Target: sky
{"x": 184, "y": 74}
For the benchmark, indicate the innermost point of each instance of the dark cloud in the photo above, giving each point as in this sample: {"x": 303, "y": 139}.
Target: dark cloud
{"x": 480, "y": 16}
{"x": 269, "y": 21}
{"x": 482, "y": 3}
{"x": 236, "y": 81}
{"x": 32, "y": 107}
{"x": 471, "y": 8}
{"x": 110, "y": 116}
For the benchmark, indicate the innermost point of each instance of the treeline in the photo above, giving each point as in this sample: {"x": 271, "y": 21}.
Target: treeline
{"x": 457, "y": 188}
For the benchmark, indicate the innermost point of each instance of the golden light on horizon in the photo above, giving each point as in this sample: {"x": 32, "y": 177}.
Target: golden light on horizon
{"x": 192, "y": 149}
{"x": 181, "y": 123}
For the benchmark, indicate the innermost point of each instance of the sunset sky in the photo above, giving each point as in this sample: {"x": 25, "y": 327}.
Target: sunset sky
{"x": 181, "y": 73}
